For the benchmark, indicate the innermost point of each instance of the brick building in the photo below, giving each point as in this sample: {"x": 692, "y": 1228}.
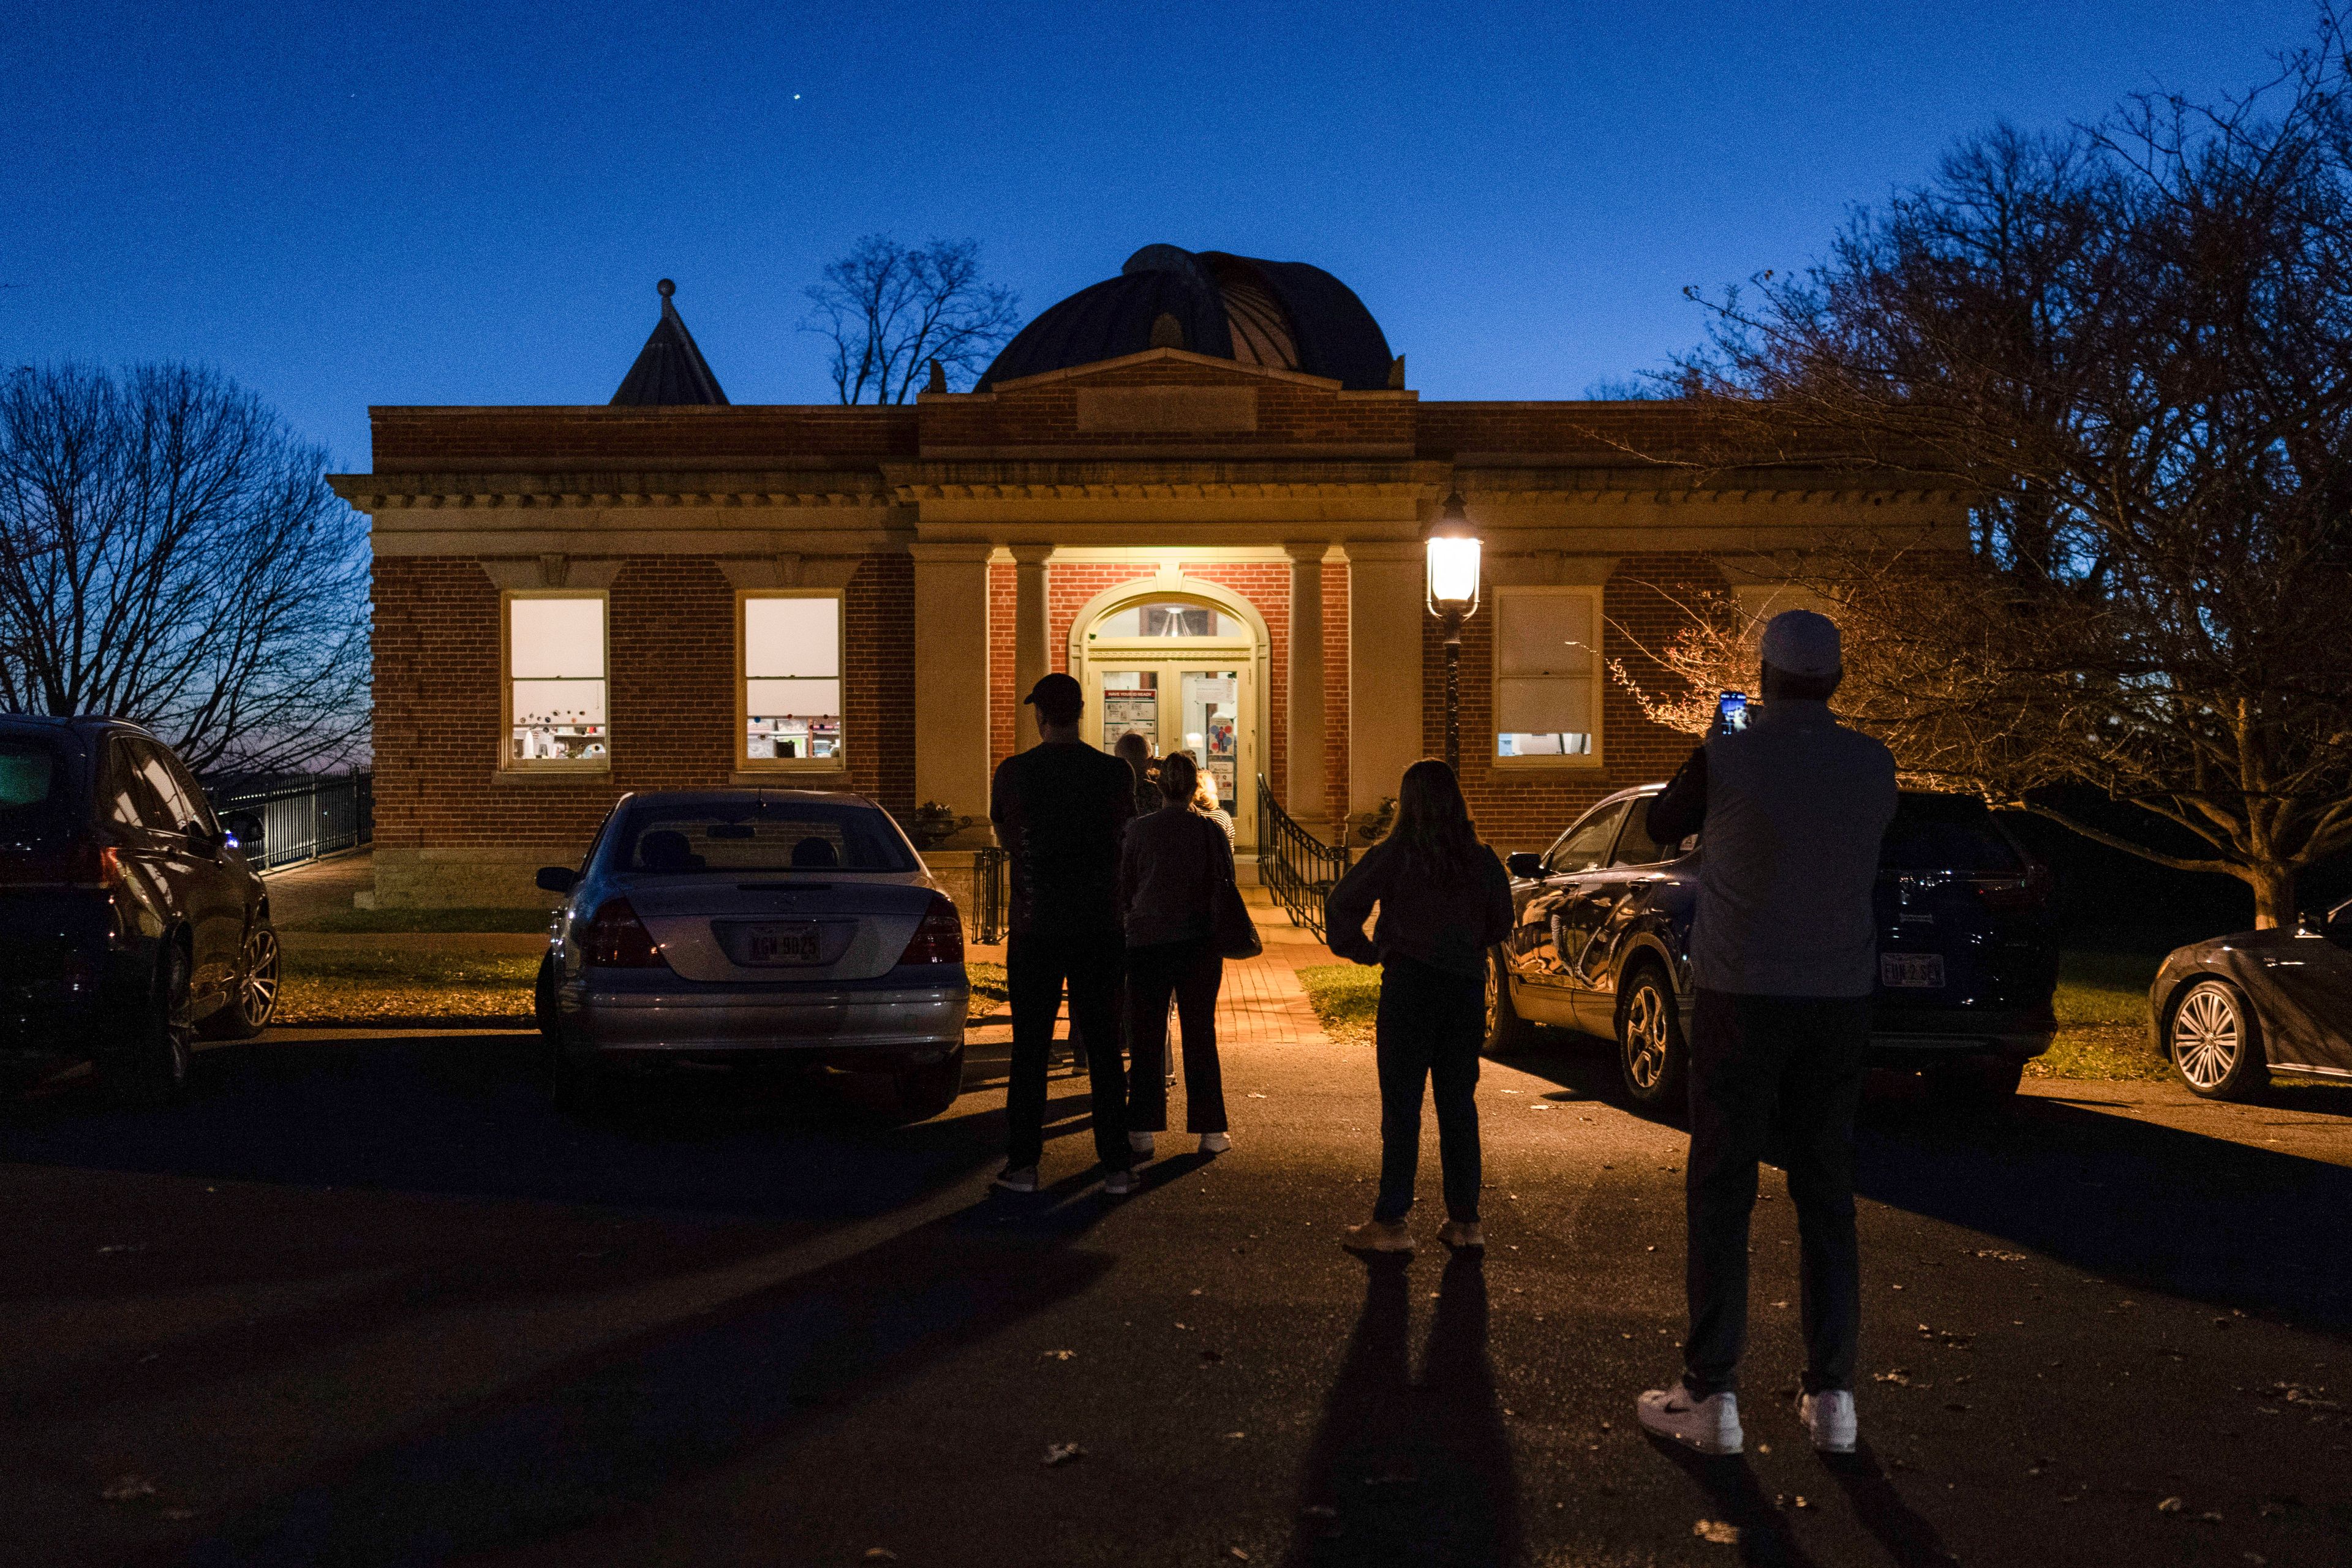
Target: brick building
{"x": 1199, "y": 487}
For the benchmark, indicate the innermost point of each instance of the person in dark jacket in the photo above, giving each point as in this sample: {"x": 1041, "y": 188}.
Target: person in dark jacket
{"x": 1134, "y": 749}
{"x": 1060, "y": 807}
{"x": 1171, "y": 862}
{"x": 1444, "y": 900}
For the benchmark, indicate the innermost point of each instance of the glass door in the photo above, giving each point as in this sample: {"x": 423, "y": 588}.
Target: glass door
{"x": 1181, "y": 676}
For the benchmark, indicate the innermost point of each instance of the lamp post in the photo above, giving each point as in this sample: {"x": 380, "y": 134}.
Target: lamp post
{"x": 1452, "y": 548}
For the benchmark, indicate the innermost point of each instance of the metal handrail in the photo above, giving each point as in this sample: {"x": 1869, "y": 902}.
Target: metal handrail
{"x": 302, "y": 819}
{"x": 1297, "y": 868}
{"x": 989, "y": 881}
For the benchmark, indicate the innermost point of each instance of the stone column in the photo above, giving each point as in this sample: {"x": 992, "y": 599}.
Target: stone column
{"x": 951, "y": 676}
{"x": 1031, "y": 643}
{"x": 1386, "y": 603}
{"x": 1303, "y": 791}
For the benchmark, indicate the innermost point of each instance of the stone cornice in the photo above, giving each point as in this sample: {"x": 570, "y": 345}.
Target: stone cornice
{"x": 393, "y": 492}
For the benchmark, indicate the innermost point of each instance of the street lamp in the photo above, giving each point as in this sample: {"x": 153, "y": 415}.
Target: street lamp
{"x": 1452, "y": 598}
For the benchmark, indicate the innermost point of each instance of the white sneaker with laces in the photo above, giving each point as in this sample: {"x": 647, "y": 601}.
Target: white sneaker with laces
{"x": 1140, "y": 1144}
{"x": 1711, "y": 1425}
{"x": 1018, "y": 1179}
{"x": 1215, "y": 1142}
{"x": 1118, "y": 1183}
{"x": 1828, "y": 1416}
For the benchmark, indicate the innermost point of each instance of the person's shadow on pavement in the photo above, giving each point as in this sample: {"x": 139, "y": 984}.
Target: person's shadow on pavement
{"x": 1412, "y": 1472}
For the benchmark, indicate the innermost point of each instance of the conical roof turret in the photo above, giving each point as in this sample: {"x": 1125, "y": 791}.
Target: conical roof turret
{"x": 669, "y": 370}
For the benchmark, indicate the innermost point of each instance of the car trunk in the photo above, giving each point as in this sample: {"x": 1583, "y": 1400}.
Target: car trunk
{"x": 779, "y": 930}
{"x": 1964, "y": 914}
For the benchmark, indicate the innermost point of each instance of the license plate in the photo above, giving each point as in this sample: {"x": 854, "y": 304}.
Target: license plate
{"x": 1915, "y": 970}
{"x": 792, "y": 941}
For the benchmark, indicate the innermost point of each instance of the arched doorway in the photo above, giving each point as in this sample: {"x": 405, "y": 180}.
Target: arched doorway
{"x": 1183, "y": 663}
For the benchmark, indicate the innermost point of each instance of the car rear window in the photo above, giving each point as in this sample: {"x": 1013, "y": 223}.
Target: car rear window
{"x": 1947, "y": 833}
{"x": 32, "y": 786}
{"x": 759, "y": 837}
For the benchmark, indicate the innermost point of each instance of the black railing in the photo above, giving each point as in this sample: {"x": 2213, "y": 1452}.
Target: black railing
{"x": 1297, "y": 868}
{"x": 990, "y": 882}
{"x": 302, "y": 819}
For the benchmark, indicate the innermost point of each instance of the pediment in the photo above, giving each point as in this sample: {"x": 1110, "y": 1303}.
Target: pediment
{"x": 1176, "y": 367}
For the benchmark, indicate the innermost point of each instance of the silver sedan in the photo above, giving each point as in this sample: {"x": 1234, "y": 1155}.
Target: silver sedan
{"x": 726, "y": 925}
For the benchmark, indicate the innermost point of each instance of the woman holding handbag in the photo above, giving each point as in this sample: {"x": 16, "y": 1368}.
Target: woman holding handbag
{"x": 1175, "y": 884}
{"x": 1444, "y": 900}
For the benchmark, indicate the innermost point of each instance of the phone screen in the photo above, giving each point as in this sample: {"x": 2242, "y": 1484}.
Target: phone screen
{"x": 1731, "y": 711}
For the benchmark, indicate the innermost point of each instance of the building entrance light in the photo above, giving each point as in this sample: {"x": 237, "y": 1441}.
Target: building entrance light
{"x": 1453, "y": 549}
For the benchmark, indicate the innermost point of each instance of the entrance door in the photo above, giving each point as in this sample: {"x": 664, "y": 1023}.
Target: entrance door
{"x": 1183, "y": 677}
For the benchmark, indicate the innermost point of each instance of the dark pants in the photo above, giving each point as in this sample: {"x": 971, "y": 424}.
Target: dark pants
{"x": 1192, "y": 972}
{"x": 1430, "y": 1026}
{"x": 1036, "y": 963}
{"x": 1787, "y": 1071}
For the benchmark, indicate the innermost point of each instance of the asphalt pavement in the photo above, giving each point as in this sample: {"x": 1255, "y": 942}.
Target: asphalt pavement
{"x": 371, "y": 1301}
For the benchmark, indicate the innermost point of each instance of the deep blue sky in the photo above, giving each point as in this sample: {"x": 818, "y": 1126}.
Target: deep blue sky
{"x": 347, "y": 204}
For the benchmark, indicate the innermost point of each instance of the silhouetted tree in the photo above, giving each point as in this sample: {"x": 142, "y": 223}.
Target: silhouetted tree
{"x": 891, "y": 311}
{"x": 170, "y": 553}
{"x": 2131, "y": 344}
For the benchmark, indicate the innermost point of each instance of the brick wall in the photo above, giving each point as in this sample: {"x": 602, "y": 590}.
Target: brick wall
{"x": 1003, "y": 700}
{"x": 1290, "y": 414}
{"x": 671, "y": 698}
{"x": 1641, "y": 608}
{"x": 656, "y": 440}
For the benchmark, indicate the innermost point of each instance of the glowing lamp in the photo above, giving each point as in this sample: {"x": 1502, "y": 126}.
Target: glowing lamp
{"x": 1453, "y": 561}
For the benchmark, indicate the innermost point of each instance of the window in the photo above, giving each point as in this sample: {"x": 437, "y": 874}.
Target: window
{"x": 1584, "y": 847}
{"x": 765, "y": 837}
{"x": 1546, "y": 677}
{"x": 1635, "y": 845}
{"x": 1173, "y": 620}
{"x": 791, "y": 680}
{"x": 555, "y": 681}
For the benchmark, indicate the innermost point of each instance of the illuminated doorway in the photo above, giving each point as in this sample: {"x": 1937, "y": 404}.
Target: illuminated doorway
{"x": 1182, "y": 671}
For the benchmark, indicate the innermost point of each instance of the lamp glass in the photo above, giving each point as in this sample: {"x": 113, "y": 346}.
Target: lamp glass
{"x": 1453, "y": 573}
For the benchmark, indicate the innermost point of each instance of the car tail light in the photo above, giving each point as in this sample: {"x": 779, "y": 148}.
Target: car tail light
{"x": 618, "y": 939}
{"x": 2031, "y": 891}
{"x": 940, "y": 938}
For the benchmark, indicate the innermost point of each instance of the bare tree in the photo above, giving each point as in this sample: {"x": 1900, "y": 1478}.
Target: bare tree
{"x": 2132, "y": 344}
{"x": 170, "y": 553}
{"x": 891, "y": 312}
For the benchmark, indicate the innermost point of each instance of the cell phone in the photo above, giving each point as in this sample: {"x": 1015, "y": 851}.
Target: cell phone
{"x": 1731, "y": 712}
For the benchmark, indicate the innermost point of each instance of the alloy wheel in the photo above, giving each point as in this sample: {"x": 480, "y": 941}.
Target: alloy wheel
{"x": 1646, "y": 1037}
{"x": 2208, "y": 1036}
{"x": 177, "y": 1023}
{"x": 257, "y": 978}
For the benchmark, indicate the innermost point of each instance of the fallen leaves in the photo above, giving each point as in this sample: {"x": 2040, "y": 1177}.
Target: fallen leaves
{"x": 1063, "y": 1453}
{"x": 128, "y": 1488}
{"x": 1056, "y": 1355}
{"x": 1720, "y": 1532}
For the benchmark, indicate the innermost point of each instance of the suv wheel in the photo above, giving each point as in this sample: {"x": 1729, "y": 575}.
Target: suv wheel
{"x": 2214, "y": 1043}
{"x": 252, "y": 990}
{"x": 1506, "y": 1030}
{"x": 1651, "y": 1055}
{"x": 149, "y": 1065}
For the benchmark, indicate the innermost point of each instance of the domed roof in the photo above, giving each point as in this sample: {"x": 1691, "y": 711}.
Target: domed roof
{"x": 1284, "y": 314}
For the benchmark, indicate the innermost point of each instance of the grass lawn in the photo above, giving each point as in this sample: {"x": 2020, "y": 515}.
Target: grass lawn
{"x": 456, "y": 989}
{"x": 366, "y": 921}
{"x": 2101, "y": 1003}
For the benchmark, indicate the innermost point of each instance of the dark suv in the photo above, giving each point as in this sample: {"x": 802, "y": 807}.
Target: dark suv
{"x": 1968, "y": 951}
{"x": 131, "y": 918}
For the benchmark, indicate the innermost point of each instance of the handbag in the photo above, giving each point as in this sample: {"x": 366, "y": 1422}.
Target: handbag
{"x": 1231, "y": 930}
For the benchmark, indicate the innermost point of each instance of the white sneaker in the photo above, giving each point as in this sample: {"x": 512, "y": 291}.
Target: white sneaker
{"x": 1118, "y": 1183}
{"x": 1828, "y": 1416}
{"x": 1710, "y": 1424}
{"x": 1018, "y": 1178}
{"x": 1140, "y": 1142}
{"x": 1215, "y": 1142}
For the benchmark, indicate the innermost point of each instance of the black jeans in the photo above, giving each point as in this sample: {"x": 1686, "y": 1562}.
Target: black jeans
{"x": 1430, "y": 1026}
{"x": 1036, "y": 964}
{"x": 1761, "y": 1066}
{"x": 1194, "y": 973}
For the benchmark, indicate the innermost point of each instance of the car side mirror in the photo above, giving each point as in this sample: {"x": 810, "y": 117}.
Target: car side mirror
{"x": 243, "y": 831}
{"x": 1524, "y": 866}
{"x": 557, "y": 879}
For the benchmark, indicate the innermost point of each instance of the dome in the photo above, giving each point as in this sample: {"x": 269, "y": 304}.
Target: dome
{"x": 1283, "y": 314}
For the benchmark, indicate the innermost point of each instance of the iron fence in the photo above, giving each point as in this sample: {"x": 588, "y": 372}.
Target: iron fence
{"x": 1297, "y": 868}
{"x": 304, "y": 818}
{"x": 990, "y": 886}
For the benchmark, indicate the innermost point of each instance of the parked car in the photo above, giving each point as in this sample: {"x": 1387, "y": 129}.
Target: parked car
{"x": 1968, "y": 954}
{"x": 728, "y": 926}
{"x": 2230, "y": 1011}
{"x": 132, "y": 922}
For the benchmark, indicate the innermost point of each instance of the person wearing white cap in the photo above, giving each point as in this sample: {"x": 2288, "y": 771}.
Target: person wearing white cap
{"x": 1791, "y": 811}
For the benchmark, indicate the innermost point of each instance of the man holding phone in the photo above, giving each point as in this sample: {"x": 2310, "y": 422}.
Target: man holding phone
{"x": 1791, "y": 807}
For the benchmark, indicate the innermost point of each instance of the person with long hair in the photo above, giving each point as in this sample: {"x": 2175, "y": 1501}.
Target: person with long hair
{"x": 1444, "y": 900}
{"x": 1205, "y": 801}
{"x": 1170, "y": 867}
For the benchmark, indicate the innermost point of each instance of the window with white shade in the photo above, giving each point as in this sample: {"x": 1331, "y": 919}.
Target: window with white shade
{"x": 555, "y": 681}
{"x": 791, "y": 680}
{"x": 1548, "y": 676}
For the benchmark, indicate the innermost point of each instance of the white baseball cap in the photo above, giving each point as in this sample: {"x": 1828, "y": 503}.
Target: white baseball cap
{"x": 1802, "y": 643}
